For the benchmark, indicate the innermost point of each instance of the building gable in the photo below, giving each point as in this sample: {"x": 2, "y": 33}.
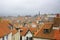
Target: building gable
{"x": 28, "y": 34}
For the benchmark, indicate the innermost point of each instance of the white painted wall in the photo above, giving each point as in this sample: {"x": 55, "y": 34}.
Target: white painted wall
{"x": 23, "y": 38}
{"x": 33, "y": 25}
{"x": 10, "y": 36}
{"x": 29, "y": 34}
{"x": 55, "y": 27}
{"x": 40, "y": 39}
{"x": 0, "y": 38}
{"x": 16, "y": 36}
{"x": 5, "y": 38}
{"x": 13, "y": 37}
{"x": 51, "y": 15}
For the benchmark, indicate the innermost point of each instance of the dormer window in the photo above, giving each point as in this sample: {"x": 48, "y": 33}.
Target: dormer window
{"x": 46, "y": 31}
{"x": 10, "y": 26}
{"x": 17, "y": 28}
{"x": 21, "y": 30}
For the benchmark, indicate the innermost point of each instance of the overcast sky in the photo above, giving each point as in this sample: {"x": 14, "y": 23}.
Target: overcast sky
{"x": 28, "y": 7}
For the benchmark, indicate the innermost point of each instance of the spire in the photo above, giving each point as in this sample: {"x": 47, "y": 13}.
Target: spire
{"x": 39, "y": 13}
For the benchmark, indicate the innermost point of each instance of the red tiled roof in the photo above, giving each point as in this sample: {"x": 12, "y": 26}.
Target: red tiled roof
{"x": 38, "y": 18}
{"x": 47, "y": 25}
{"x": 24, "y": 31}
{"x": 57, "y": 34}
{"x": 54, "y": 34}
{"x": 2, "y": 32}
{"x": 33, "y": 29}
{"x": 41, "y": 34}
{"x": 14, "y": 31}
{"x": 5, "y": 29}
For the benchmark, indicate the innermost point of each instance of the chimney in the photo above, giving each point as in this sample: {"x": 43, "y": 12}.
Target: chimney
{"x": 57, "y": 15}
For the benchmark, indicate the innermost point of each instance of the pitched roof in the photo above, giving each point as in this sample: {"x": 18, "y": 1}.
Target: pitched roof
{"x": 54, "y": 34}
{"x": 57, "y": 34}
{"x": 14, "y": 31}
{"x": 38, "y": 18}
{"x": 2, "y": 32}
{"x": 23, "y": 31}
{"x": 40, "y": 33}
{"x": 47, "y": 25}
{"x": 5, "y": 29}
{"x": 33, "y": 29}
{"x": 15, "y": 24}
{"x": 5, "y": 26}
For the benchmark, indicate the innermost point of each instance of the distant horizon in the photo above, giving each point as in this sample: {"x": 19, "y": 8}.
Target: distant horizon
{"x": 28, "y": 15}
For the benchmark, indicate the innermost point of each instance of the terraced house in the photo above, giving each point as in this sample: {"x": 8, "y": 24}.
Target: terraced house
{"x": 5, "y": 32}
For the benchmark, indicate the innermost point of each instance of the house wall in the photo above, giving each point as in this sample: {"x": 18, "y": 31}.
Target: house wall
{"x": 13, "y": 37}
{"x": 5, "y": 38}
{"x": 16, "y": 36}
{"x": 40, "y": 39}
{"x": 0, "y": 38}
{"x": 51, "y": 15}
{"x": 10, "y": 36}
{"x": 55, "y": 27}
{"x": 33, "y": 25}
{"x": 23, "y": 38}
{"x": 27, "y": 35}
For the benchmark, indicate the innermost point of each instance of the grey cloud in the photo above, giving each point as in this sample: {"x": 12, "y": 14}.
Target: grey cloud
{"x": 26, "y": 7}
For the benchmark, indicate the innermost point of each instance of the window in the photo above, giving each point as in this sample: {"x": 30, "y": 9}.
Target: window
{"x": 26, "y": 38}
{"x": 17, "y": 28}
{"x": 21, "y": 30}
{"x": 20, "y": 37}
{"x": 29, "y": 38}
{"x": 7, "y": 37}
{"x": 46, "y": 31}
{"x": 10, "y": 27}
{"x": 3, "y": 38}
